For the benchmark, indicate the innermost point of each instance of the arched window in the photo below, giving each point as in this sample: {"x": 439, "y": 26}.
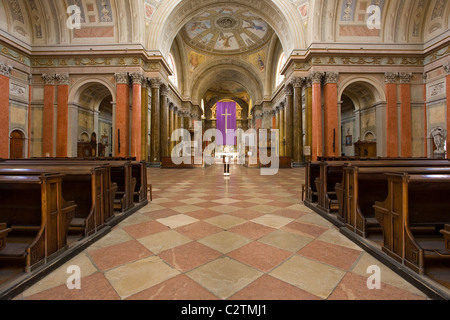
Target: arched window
{"x": 281, "y": 62}
{"x": 173, "y": 78}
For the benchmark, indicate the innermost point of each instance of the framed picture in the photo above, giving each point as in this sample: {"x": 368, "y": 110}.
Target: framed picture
{"x": 349, "y": 140}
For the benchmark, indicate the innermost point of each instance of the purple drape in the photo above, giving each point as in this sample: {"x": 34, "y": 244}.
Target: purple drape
{"x": 226, "y": 123}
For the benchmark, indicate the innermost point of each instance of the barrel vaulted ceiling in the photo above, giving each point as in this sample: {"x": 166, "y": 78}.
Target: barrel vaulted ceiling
{"x": 298, "y": 23}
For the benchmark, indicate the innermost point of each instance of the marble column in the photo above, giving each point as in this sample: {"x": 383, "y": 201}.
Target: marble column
{"x": 331, "y": 116}
{"x": 62, "y": 122}
{"x": 298, "y": 121}
{"x": 317, "y": 128}
{"x": 48, "y": 136}
{"x": 391, "y": 115}
{"x": 282, "y": 131}
{"x": 171, "y": 126}
{"x": 447, "y": 70}
{"x": 136, "y": 116}
{"x": 308, "y": 120}
{"x": 289, "y": 119}
{"x": 122, "y": 120}
{"x": 406, "y": 114}
{"x": 425, "y": 122}
{"x": 164, "y": 122}
{"x": 144, "y": 119}
{"x": 155, "y": 149}
{"x": 5, "y": 73}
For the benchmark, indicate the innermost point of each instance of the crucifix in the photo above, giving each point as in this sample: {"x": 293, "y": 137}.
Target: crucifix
{"x": 226, "y": 115}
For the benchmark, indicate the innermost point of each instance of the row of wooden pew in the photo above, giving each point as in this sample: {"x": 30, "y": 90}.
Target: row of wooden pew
{"x": 46, "y": 201}
{"x": 404, "y": 203}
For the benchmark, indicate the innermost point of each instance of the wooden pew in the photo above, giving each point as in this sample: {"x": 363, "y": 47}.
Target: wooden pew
{"x": 34, "y": 209}
{"x": 312, "y": 173}
{"x": 130, "y": 177}
{"x": 366, "y": 185}
{"x": 121, "y": 174}
{"x": 331, "y": 174}
{"x": 89, "y": 186}
{"x": 4, "y": 230}
{"x": 446, "y": 233}
{"x": 417, "y": 206}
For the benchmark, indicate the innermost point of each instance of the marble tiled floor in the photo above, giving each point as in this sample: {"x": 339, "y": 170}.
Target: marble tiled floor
{"x": 207, "y": 237}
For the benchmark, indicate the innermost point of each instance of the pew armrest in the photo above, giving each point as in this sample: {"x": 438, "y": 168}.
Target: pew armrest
{"x": 446, "y": 233}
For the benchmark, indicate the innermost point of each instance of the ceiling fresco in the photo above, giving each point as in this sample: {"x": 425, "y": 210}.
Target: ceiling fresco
{"x": 227, "y": 30}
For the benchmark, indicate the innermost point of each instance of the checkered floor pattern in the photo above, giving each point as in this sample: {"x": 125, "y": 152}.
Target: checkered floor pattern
{"x": 208, "y": 237}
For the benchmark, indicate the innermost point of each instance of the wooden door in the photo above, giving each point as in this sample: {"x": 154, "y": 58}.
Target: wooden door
{"x": 17, "y": 142}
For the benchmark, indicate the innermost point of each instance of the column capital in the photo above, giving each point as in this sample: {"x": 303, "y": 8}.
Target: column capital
{"x": 63, "y": 79}
{"x": 164, "y": 90}
{"x": 447, "y": 68}
{"x": 316, "y": 77}
{"x": 49, "y": 79}
{"x": 137, "y": 78}
{"x": 298, "y": 82}
{"x": 391, "y": 77}
{"x": 289, "y": 90}
{"x": 405, "y": 77}
{"x": 155, "y": 83}
{"x": 331, "y": 77}
{"x": 5, "y": 70}
{"x": 122, "y": 78}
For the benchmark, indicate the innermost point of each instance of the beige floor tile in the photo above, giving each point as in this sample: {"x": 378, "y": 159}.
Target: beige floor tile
{"x": 334, "y": 236}
{"x": 286, "y": 240}
{"x": 225, "y": 208}
{"x": 273, "y": 221}
{"x": 225, "y": 221}
{"x": 224, "y": 277}
{"x": 314, "y": 218}
{"x": 313, "y": 277}
{"x": 387, "y": 275}
{"x": 137, "y": 276}
{"x": 186, "y": 209}
{"x": 135, "y": 219}
{"x": 60, "y": 275}
{"x": 116, "y": 236}
{"x": 193, "y": 201}
{"x": 163, "y": 241}
{"x": 177, "y": 221}
{"x": 225, "y": 241}
{"x": 265, "y": 208}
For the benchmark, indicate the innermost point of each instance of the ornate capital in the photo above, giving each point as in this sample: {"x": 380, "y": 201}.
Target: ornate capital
{"x": 63, "y": 79}
{"x": 5, "y": 70}
{"x": 155, "y": 83}
{"x": 298, "y": 82}
{"x": 405, "y": 77}
{"x": 165, "y": 90}
{"x": 122, "y": 78}
{"x": 390, "y": 77}
{"x": 137, "y": 78}
{"x": 316, "y": 77}
{"x": 447, "y": 68}
{"x": 49, "y": 79}
{"x": 331, "y": 77}
{"x": 289, "y": 90}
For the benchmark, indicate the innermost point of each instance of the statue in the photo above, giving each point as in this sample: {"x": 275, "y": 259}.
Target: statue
{"x": 439, "y": 136}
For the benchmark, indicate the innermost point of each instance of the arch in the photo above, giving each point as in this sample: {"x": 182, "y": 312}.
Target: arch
{"x": 174, "y": 14}
{"x": 279, "y": 77}
{"x": 81, "y": 84}
{"x": 370, "y": 83}
{"x": 210, "y": 73}
{"x": 17, "y": 143}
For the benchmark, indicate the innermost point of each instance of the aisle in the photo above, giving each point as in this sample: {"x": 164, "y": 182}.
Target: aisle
{"x": 207, "y": 237}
